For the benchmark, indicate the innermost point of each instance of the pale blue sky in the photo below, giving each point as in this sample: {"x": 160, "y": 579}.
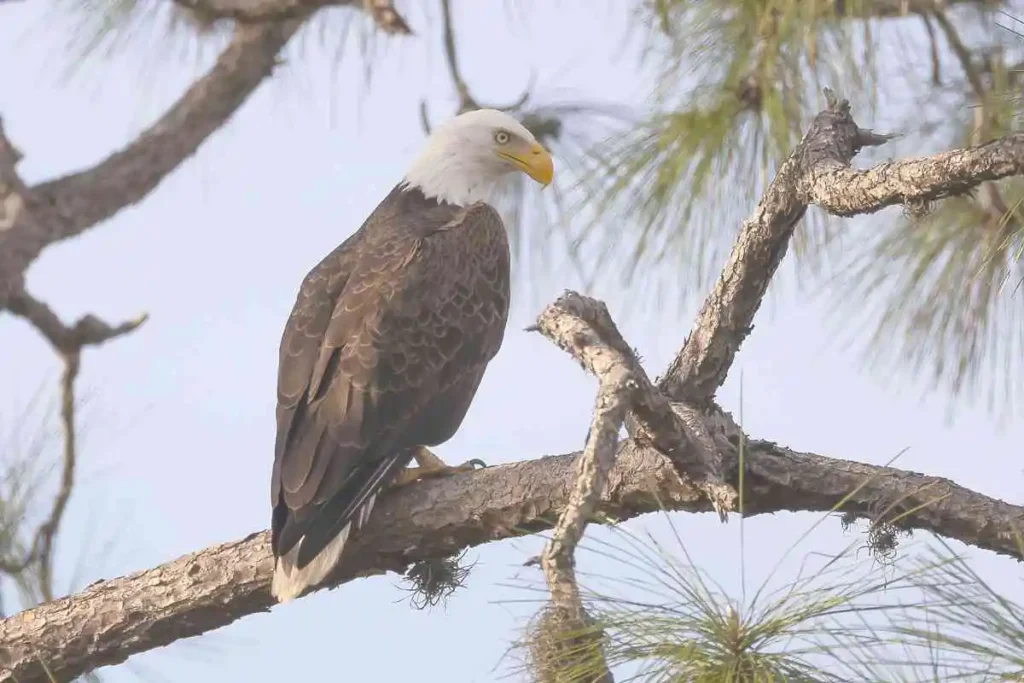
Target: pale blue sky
{"x": 179, "y": 427}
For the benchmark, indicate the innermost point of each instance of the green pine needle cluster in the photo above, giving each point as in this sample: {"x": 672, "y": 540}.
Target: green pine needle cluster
{"x": 923, "y": 616}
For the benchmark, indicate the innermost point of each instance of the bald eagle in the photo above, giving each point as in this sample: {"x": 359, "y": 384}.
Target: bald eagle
{"x": 388, "y": 340}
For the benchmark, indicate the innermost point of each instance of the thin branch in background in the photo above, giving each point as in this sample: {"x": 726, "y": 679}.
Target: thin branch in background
{"x": 48, "y": 530}
{"x": 68, "y": 342}
{"x": 986, "y": 120}
{"x": 89, "y": 330}
{"x": 933, "y": 52}
{"x": 467, "y": 102}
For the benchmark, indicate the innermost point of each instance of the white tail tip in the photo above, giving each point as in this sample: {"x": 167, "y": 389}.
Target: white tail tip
{"x": 289, "y": 582}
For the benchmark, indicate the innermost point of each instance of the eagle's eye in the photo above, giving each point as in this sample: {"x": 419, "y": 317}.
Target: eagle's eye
{"x": 501, "y": 137}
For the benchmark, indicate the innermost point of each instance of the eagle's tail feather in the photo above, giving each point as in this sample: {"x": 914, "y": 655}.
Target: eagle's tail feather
{"x": 291, "y": 581}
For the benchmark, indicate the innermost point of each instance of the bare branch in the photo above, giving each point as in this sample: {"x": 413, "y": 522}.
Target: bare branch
{"x": 466, "y": 100}
{"x": 827, "y": 181}
{"x": 847, "y": 192}
{"x": 383, "y": 12}
{"x": 88, "y": 331}
{"x": 562, "y": 322}
{"x": 67, "y": 206}
{"x": 68, "y": 342}
{"x": 48, "y": 530}
{"x": 583, "y": 328}
{"x": 728, "y": 313}
{"x": 817, "y": 172}
{"x": 112, "y": 620}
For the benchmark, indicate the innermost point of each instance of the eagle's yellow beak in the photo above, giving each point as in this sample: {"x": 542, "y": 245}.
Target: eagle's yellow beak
{"x": 533, "y": 160}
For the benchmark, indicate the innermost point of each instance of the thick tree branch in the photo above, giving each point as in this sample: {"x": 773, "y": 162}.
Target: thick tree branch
{"x": 112, "y": 620}
{"x": 727, "y": 315}
{"x": 67, "y": 206}
{"x": 848, "y": 192}
{"x": 583, "y": 328}
{"x": 127, "y": 176}
{"x": 817, "y": 172}
{"x": 382, "y": 12}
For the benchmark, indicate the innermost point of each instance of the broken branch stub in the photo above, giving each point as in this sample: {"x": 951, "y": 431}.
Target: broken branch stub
{"x": 583, "y": 328}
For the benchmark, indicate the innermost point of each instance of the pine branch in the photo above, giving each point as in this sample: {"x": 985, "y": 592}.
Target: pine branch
{"x": 467, "y": 102}
{"x": 817, "y": 172}
{"x": 383, "y": 12}
{"x": 87, "y": 331}
{"x": 584, "y": 329}
{"x": 68, "y": 342}
{"x": 113, "y": 620}
{"x": 39, "y": 216}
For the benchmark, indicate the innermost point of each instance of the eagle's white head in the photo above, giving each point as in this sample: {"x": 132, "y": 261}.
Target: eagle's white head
{"x": 464, "y": 158}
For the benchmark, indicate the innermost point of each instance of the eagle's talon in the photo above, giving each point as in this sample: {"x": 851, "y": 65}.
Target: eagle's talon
{"x": 475, "y": 462}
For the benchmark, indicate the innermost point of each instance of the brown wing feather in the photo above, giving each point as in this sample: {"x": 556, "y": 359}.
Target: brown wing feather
{"x": 421, "y": 309}
{"x": 301, "y": 342}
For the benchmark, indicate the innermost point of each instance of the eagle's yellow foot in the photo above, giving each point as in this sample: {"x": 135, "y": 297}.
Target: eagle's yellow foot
{"x": 431, "y": 466}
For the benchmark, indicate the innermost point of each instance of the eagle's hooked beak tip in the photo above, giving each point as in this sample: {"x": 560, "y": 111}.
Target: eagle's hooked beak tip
{"x": 535, "y": 161}
{"x": 542, "y": 166}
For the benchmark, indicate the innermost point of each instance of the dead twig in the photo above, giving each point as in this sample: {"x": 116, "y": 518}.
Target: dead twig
{"x": 467, "y": 102}
{"x": 69, "y": 343}
{"x": 583, "y": 328}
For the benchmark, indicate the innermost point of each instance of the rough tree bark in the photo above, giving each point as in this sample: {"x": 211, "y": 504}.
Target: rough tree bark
{"x": 585, "y": 327}
{"x": 383, "y": 12}
{"x": 112, "y": 620}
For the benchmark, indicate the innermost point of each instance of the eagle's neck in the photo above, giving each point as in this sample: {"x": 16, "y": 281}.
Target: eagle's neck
{"x": 450, "y": 177}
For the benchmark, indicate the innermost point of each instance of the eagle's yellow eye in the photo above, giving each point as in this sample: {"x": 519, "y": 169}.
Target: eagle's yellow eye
{"x": 501, "y": 137}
